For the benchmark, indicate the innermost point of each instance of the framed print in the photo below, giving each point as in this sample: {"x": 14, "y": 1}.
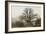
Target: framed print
{"x": 23, "y": 16}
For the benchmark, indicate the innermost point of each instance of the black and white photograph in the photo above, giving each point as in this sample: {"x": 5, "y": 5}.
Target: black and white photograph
{"x": 24, "y": 16}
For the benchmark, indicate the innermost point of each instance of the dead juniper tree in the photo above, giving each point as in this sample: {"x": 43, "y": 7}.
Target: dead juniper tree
{"x": 27, "y": 16}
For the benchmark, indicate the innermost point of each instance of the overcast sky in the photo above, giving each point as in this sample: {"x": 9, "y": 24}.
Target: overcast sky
{"x": 18, "y": 10}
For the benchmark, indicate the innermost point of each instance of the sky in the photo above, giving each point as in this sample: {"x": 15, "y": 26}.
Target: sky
{"x": 18, "y": 10}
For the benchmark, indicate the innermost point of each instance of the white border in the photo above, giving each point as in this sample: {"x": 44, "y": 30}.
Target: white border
{"x": 23, "y": 29}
